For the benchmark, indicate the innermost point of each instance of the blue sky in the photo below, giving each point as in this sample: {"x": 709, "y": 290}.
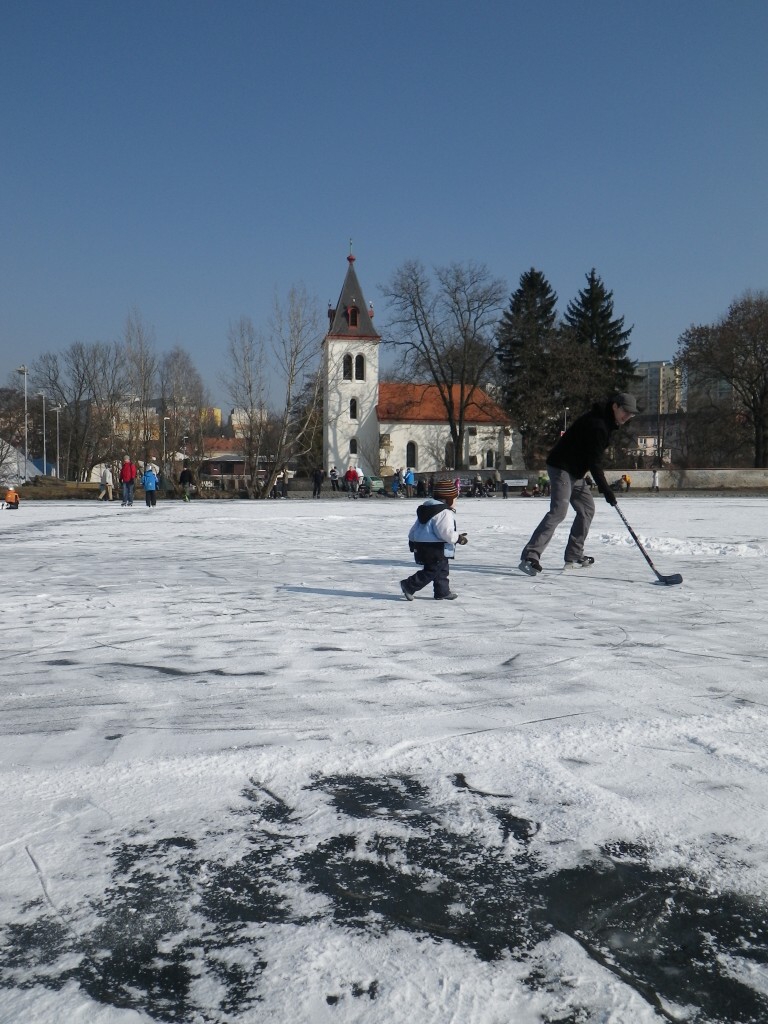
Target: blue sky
{"x": 187, "y": 160}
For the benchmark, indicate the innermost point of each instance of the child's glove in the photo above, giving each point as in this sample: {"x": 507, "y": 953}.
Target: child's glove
{"x": 611, "y": 498}
{"x": 462, "y": 539}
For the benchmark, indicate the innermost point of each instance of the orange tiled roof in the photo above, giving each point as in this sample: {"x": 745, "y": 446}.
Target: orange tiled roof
{"x": 422, "y": 403}
{"x": 223, "y": 445}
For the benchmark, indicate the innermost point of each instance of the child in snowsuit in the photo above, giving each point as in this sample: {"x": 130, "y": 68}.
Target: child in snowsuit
{"x": 432, "y": 538}
{"x": 11, "y": 498}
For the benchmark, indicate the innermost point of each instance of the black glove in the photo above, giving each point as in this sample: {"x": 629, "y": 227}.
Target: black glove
{"x": 462, "y": 539}
{"x": 611, "y": 498}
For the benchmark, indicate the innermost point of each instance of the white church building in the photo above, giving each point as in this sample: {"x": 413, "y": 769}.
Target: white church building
{"x": 381, "y": 426}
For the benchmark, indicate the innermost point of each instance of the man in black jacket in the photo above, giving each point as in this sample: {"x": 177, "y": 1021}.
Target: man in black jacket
{"x": 579, "y": 450}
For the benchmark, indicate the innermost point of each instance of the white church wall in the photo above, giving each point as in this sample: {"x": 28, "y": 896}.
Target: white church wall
{"x": 431, "y": 440}
{"x": 339, "y": 427}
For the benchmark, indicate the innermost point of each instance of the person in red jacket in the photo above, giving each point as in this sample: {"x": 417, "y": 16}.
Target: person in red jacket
{"x": 352, "y": 481}
{"x": 128, "y": 480}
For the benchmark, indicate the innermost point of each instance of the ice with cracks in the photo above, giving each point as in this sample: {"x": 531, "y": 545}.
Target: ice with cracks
{"x": 244, "y": 780}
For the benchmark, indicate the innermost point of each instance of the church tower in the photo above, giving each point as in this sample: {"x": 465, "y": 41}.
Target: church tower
{"x": 351, "y": 381}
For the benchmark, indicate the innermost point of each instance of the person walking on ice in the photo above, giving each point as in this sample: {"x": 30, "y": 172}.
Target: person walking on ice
{"x": 105, "y": 491}
{"x": 186, "y": 479}
{"x": 127, "y": 480}
{"x": 580, "y": 449}
{"x": 432, "y": 538}
{"x": 149, "y": 483}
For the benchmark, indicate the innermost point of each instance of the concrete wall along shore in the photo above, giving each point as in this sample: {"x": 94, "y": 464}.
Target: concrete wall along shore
{"x": 695, "y": 479}
{"x": 670, "y": 480}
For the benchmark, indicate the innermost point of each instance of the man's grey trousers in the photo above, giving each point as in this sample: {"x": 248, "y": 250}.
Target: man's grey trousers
{"x": 566, "y": 490}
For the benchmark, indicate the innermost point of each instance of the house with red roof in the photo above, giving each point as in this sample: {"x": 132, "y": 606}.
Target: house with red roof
{"x": 381, "y": 426}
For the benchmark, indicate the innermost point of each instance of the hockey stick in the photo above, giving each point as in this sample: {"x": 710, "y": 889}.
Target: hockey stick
{"x": 669, "y": 580}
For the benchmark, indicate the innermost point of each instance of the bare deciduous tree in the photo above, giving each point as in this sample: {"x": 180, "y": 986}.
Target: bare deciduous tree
{"x": 246, "y": 385}
{"x": 107, "y": 384}
{"x": 139, "y": 342}
{"x": 295, "y": 331}
{"x": 183, "y": 405}
{"x": 286, "y": 364}
{"x": 80, "y": 381}
{"x": 445, "y": 332}
{"x": 11, "y": 431}
{"x": 731, "y": 352}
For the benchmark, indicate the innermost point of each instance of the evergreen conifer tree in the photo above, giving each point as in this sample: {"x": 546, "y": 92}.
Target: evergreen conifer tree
{"x": 525, "y": 335}
{"x": 590, "y": 321}
{"x": 537, "y": 365}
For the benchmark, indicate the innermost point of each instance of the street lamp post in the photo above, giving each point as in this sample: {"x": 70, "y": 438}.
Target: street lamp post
{"x": 25, "y": 371}
{"x": 57, "y": 410}
{"x": 659, "y": 458}
{"x": 41, "y": 394}
{"x": 565, "y": 420}
{"x": 166, "y": 419}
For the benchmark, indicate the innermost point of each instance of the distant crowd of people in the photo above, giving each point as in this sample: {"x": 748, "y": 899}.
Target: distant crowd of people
{"x": 573, "y": 471}
{"x": 150, "y": 480}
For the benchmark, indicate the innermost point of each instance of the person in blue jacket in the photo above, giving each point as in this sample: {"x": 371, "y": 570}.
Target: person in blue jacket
{"x": 149, "y": 483}
{"x": 432, "y": 538}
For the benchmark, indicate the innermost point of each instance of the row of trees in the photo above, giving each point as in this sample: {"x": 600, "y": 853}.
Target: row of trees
{"x": 455, "y": 333}
{"x": 121, "y": 397}
{"x": 274, "y": 383}
{"x": 106, "y": 395}
{"x": 450, "y": 328}
{"x": 549, "y": 364}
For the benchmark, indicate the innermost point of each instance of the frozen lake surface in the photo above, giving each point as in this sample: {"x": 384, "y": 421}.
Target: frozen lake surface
{"x": 245, "y": 781}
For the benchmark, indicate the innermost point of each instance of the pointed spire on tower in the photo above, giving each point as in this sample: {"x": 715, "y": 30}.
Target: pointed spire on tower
{"x": 352, "y": 316}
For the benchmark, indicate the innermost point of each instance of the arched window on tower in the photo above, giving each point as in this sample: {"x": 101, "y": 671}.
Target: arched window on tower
{"x": 490, "y": 460}
{"x": 353, "y": 313}
{"x": 353, "y": 408}
{"x": 353, "y": 446}
{"x": 360, "y": 367}
{"x": 412, "y": 455}
{"x": 347, "y": 367}
{"x": 449, "y": 455}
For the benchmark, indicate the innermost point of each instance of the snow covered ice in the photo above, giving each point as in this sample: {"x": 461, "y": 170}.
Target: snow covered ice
{"x": 245, "y": 781}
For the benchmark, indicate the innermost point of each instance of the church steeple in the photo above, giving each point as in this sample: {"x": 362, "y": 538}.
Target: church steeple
{"x": 352, "y": 317}
{"x": 351, "y": 379}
